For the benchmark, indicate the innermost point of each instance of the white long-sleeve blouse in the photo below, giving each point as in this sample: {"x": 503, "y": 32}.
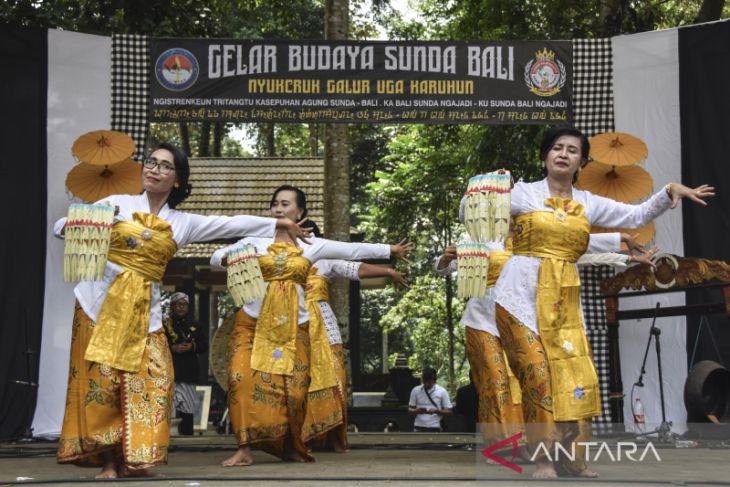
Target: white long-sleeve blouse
{"x": 318, "y": 250}
{"x": 479, "y": 313}
{"x": 186, "y": 228}
{"x": 517, "y": 284}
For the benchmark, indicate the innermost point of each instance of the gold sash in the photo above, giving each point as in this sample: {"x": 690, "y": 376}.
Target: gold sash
{"x": 322, "y": 361}
{"x": 143, "y": 247}
{"x": 559, "y": 238}
{"x": 274, "y": 345}
{"x": 497, "y": 260}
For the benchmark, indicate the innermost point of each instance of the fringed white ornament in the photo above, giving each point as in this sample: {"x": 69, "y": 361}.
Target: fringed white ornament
{"x": 487, "y": 206}
{"x": 245, "y": 281}
{"x": 87, "y": 235}
{"x": 473, "y": 262}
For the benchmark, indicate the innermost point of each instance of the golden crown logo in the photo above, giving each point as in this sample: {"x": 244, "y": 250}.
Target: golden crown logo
{"x": 545, "y": 75}
{"x": 544, "y": 55}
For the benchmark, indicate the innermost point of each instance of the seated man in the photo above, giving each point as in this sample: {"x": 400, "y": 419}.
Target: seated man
{"x": 429, "y": 402}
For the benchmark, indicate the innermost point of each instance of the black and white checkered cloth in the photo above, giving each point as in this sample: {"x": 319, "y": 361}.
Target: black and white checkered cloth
{"x": 594, "y": 312}
{"x": 130, "y": 88}
{"x": 593, "y": 114}
{"x": 593, "y": 85}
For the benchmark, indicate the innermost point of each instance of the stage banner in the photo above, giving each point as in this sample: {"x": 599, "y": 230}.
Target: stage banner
{"x": 512, "y": 82}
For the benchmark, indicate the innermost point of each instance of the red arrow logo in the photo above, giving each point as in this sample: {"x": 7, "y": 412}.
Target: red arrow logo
{"x": 488, "y": 452}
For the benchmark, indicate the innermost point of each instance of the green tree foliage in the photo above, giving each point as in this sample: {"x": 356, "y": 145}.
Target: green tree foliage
{"x": 375, "y": 303}
{"x": 181, "y": 18}
{"x": 170, "y": 132}
{"x": 557, "y": 19}
{"x": 242, "y": 19}
{"x": 368, "y": 148}
{"x": 417, "y": 193}
{"x": 422, "y": 313}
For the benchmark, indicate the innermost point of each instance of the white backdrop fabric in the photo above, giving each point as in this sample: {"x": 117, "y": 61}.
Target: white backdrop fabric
{"x": 79, "y": 100}
{"x": 646, "y": 104}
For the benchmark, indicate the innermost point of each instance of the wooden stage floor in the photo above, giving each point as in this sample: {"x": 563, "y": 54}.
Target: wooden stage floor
{"x": 375, "y": 459}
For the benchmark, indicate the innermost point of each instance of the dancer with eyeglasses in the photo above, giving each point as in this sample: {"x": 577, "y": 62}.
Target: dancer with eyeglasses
{"x": 120, "y": 385}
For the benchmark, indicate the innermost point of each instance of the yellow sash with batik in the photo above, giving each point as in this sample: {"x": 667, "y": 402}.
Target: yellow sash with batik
{"x": 559, "y": 238}
{"x": 274, "y": 345}
{"x": 322, "y": 361}
{"x": 142, "y": 247}
{"x": 497, "y": 260}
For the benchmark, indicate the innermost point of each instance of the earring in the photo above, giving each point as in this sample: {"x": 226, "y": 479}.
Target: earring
{"x": 177, "y": 185}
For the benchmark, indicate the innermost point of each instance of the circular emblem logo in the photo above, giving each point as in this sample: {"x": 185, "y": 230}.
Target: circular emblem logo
{"x": 177, "y": 69}
{"x": 545, "y": 75}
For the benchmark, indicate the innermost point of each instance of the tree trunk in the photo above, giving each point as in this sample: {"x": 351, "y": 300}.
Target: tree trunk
{"x": 204, "y": 148}
{"x": 269, "y": 138}
{"x": 217, "y": 138}
{"x": 450, "y": 328}
{"x": 337, "y": 170}
{"x": 313, "y": 140}
{"x": 185, "y": 138}
{"x": 710, "y": 10}
{"x": 612, "y": 13}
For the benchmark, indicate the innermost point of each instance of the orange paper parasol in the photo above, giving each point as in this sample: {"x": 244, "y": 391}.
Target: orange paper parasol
{"x": 646, "y": 233}
{"x": 91, "y": 183}
{"x": 618, "y": 149}
{"x": 623, "y": 183}
{"x": 103, "y": 147}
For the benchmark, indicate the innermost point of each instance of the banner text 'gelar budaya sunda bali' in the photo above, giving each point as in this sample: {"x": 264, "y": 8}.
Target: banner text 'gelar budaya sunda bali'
{"x": 227, "y": 80}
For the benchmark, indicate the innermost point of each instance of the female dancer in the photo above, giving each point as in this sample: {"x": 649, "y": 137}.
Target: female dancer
{"x": 500, "y": 410}
{"x": 317, "y": 298}
{"x": 120, "y": 375}
{"x": 275, "y": 358}
{"x": 538, "y": 296}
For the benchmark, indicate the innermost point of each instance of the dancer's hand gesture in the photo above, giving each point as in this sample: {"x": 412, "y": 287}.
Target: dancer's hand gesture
{"x": 401, "y": 250}
{"x": 677, "y": 191}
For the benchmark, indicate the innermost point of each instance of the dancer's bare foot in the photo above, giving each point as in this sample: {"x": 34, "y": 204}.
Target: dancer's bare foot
{"x": 138, "y": 472}
{"x": 544, "y": 470}
{"x": 337, "y": 445}
{"x": 242, "y": 458}
{"x": 107, "y": 473}
{"x": 292, "y": 455}
{"x": 588, "y": 473}
{"x": 109, "y": 469}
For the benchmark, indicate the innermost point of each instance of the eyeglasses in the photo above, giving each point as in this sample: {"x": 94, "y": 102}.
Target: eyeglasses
{"x": 164, "y": 166}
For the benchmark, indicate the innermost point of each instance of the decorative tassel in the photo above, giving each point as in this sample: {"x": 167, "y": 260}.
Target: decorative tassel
{"x": 88, "y": 233}
{"x": 245, "y": 281}
{"x": 473, "y": 261}
{"x": 487, "y": 206}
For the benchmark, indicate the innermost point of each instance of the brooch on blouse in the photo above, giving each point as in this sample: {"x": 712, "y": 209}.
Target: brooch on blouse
{"x": 280, "y": 262}
{"x": 560, "y": 214}
{"x": 146, "y": 235}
